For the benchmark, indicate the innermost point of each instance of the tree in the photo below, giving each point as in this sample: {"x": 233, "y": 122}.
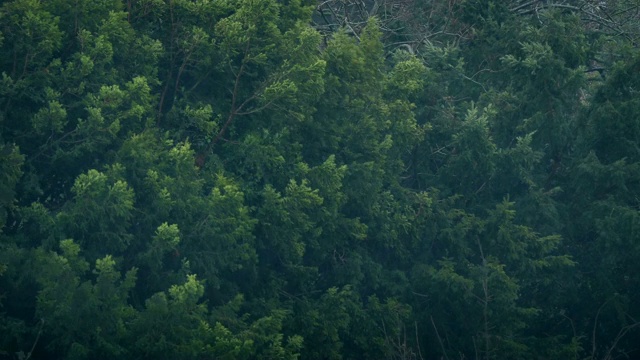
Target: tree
{"x": 602, "y": 192}
{"x": 250, "y": 179}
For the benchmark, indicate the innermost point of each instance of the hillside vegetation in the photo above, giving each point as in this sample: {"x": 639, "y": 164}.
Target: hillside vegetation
{"x": 286, "y": 179}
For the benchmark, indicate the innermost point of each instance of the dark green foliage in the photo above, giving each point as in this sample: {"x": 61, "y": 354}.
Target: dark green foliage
{"x": 200, "y": 179}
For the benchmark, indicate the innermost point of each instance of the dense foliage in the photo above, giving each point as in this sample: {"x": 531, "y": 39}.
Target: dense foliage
{"x": 285, "y": 179}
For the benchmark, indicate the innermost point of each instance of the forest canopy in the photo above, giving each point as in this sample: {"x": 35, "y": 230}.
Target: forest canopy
{"x": 341, "y": 179}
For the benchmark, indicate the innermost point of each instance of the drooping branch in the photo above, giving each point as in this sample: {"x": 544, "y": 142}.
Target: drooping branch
{"x": 202, "y": 157}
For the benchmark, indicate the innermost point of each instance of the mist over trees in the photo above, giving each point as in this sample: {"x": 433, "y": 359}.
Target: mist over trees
{"x": 341, "y": 179}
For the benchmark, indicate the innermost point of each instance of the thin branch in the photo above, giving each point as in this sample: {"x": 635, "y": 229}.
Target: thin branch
{"x": 546, "y": 6}
{"x": 595, "y": 325}
{"x": 524, "y": 5}
{"x": 172, "y": 62}
{"x": 439, "y": 338}
{"x": 33, "y": 347}
{"x": 234, "y": 99}
{"x": 573, "y": 327}
{"x": 473, "y": 81}
{"x": 415, "y": 325}
{"x": 621, "y": 334}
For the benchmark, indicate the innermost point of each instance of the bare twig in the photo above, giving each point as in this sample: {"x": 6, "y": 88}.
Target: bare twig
{"x": 33, "y": 347}
{"x": 595, "y": 325}
{"x": 444, "y": 352}
{"x": 415, "y": 325}
{"x": 619, "y": 337}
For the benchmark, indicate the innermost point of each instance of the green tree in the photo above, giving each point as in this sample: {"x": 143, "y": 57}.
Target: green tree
{"x": 11, "y": 169}
{"x": 66, "y": 299}
{"x": 602, "y": 199}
